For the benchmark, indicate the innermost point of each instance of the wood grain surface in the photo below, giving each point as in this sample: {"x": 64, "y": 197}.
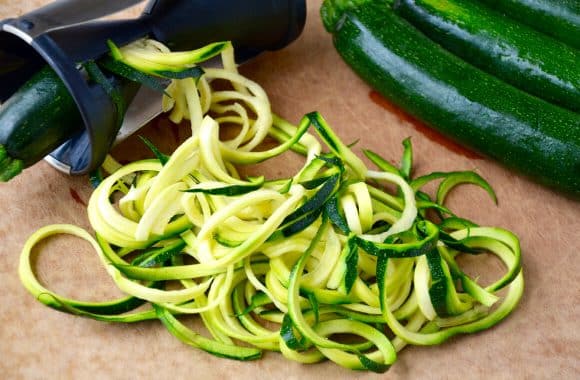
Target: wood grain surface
{"x": 540, "y": 340}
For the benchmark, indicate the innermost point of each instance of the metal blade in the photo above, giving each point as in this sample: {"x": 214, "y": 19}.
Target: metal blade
{"x": 145, "y": 107}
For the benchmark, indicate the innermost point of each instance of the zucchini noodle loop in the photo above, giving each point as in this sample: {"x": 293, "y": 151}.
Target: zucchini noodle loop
{"x": 284, "y": 264}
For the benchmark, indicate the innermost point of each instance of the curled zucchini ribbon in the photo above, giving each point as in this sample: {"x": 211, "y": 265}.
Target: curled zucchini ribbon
{"x": 291, "y": 264}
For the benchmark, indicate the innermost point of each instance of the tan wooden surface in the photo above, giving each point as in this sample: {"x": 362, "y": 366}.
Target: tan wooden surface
{"x": 541, "y": 340}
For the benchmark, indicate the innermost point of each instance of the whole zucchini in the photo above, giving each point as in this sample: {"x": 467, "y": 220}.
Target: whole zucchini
{"x": 500, "y": 46}
{"x": 476, "y": 109}
{"x": 556, "y": 18}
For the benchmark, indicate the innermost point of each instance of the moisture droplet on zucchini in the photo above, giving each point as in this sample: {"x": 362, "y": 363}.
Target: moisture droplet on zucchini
{"x": 283, "y": 264}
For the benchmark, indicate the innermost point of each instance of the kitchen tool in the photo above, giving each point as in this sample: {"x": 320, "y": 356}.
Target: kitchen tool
{"x": 66, "y": 33}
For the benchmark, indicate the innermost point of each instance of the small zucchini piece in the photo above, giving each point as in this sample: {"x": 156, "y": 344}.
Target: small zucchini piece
{"x": 39, "y": 117}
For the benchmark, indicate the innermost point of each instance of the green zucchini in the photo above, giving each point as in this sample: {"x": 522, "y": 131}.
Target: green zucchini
{"x": 559, "y": 19}
{"x": 39, "y": 117}
{"x": 42, "y": 114}
{"x": 476, "y": 109}
{"x": 500, "y": 46}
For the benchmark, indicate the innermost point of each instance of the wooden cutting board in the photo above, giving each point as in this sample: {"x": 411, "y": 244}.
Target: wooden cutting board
{"x": 541, "y": 339}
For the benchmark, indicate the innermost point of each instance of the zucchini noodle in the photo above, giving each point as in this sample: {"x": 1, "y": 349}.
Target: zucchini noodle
{"x": 283, "y": 264}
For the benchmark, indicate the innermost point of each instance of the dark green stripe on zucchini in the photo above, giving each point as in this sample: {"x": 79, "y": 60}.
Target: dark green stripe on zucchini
{"x": 511, "y": 51}
{"x": 476, "y": 109}
{"x": 557, "y": 18}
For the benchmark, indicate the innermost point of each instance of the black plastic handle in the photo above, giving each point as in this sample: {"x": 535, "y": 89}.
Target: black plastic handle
{"x": 252, "y": 25}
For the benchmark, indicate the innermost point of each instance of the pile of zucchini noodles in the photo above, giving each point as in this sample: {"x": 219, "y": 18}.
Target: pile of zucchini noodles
{"x": 286, "y": 265}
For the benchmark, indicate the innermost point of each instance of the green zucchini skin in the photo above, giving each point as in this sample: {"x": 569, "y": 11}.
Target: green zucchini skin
{"x": 511, "y": 51}
{"x": 39, "y": 117}
{"x": 476, "y": 109}
{"x": 556, "y": 18}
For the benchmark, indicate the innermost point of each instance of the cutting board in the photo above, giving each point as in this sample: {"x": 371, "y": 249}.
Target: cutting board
{"x": 541, "y": 339}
